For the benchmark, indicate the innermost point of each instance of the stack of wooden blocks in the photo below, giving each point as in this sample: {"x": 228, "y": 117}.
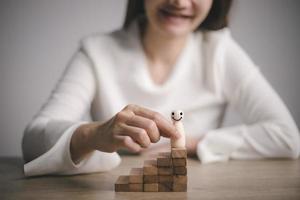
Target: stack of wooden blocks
{"x": 166, "y": 173}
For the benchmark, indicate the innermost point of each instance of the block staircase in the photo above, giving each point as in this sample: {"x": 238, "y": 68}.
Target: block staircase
{"x": 166, "y": 173}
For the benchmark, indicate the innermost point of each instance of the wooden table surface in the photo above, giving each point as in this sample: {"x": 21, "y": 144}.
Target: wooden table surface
{"x": 265, "y": 179}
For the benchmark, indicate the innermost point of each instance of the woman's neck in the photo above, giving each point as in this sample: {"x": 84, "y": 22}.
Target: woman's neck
{"x": 160, "y": 49}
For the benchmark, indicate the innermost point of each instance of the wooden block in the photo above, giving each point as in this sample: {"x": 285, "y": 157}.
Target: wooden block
{"x": 150, "y": 167}
{"x": 164, "y": 159}
{"x": 177, "y": 162}
{"x": 122, "y": 184}
{"x": 151, "y": 187}
{"x": 165, "y": 171}
{"x": 150, "y": 178}
{"x": 136, "y": 175}
{"x": 165, "y": 187}
{"x": 178, "y": 153}
{"x": 179, "y": 187}
{"x": 136, "y": 187}
{"x": 179, "y": 170}
{"x": 180, "y": 179}
{"x": 164, "y": 154}
{"x": 165, "y": 179}
{"x": 164, "y": 162}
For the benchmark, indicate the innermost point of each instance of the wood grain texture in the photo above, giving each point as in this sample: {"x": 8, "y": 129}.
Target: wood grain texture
{"x": 164, "y": 159}
{"x": 176, "y": 187}
{"x": 258, "y": 179}
{"x": 151, "y": 187}
{"x": 136, "y": 187}
{"x": 150, "y": 167}
{"x": 165, "y": 171}
{"x": 178, "y": 162}
{"x": 136, "y": 175}
{"x": 150, "y": 178}
{"x": 180, "y": 170}
{"x": 122, "y": 184}
{"x": 165, "y": 187}
{"x": 165, "y": 179}
{"x": 179, "y": 179}
{"x": 178, "y": 153}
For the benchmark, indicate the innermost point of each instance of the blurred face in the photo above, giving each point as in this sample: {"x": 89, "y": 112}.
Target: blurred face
{"x": 176, "y": 17}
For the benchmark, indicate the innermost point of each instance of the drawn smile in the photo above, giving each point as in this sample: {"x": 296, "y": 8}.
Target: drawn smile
{"x": 177, "y": 119}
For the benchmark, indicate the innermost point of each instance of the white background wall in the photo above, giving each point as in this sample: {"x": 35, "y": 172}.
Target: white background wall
{"x": 38, "y": 37}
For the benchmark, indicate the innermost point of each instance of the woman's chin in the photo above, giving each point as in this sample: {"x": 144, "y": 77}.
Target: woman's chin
{"x": 175, "y": 28}
{"x": 175, "y": 31}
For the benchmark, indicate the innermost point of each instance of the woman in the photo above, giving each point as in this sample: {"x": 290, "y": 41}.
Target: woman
{"x": 170, "y": 54}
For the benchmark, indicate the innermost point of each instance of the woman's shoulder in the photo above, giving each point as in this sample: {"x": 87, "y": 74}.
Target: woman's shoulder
{"x": 222, "y": 43}
{"x": 109, "y": 50}
{"x": 106, "y": 42}
{"x": 218, "y": 43}
{"x": 103, "y": 39}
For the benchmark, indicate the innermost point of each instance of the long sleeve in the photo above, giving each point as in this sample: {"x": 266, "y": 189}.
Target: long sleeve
{"x": 46, "y": 140}
{"x": 268, "y": 130}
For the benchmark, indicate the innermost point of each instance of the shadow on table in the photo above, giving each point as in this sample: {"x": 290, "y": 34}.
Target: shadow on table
{"x": 11, "y": 169}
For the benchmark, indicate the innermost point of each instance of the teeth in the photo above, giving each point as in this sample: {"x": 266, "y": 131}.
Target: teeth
{"x": 175, "y": 14}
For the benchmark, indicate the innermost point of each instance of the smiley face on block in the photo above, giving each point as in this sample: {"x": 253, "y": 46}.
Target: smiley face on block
{"x": 177, "y": 115}
{"x": 177, "y": 118}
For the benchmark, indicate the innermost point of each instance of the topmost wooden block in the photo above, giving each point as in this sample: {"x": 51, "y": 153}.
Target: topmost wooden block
{"x": 178, "y": 153}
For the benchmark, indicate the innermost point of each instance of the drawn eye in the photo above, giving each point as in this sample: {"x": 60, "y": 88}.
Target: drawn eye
{"x": 172, "y": 113}
{"x": 181, "y": 113}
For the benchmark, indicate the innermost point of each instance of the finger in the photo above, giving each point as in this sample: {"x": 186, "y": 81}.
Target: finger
{"x": 128, "y": 143}
{"x": 165, "y": 127}
{"x": 145, "y": 124}
{"x": 137, "y": 134}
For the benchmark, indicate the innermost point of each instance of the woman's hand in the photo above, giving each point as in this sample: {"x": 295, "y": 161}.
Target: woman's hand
{"x": 132, "y": 128}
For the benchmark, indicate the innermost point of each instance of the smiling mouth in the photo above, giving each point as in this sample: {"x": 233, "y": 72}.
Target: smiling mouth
{"x": 177, "y": 119}
{"x": 170, "y": 13}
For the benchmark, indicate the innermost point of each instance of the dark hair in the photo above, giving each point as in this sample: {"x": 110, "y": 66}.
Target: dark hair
{"x": 217, "y": 17}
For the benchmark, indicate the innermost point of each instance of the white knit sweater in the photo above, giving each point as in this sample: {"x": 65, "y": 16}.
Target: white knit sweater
{"x": 110, "y": 71}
